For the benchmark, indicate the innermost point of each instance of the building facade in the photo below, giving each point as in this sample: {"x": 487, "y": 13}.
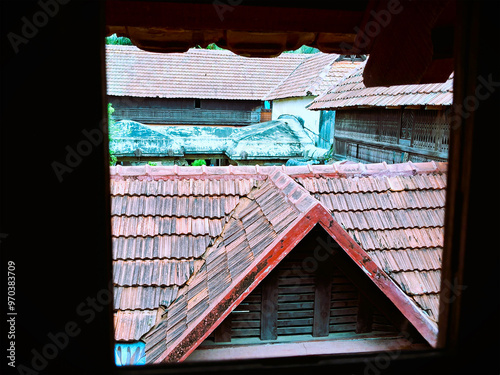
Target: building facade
{"x": 393, "y": 124}
{"x": 312, "y": 77}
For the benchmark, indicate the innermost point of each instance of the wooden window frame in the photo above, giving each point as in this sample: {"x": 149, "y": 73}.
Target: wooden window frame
{"x": 468, "y": 262}
{"x": 457, "y": 249}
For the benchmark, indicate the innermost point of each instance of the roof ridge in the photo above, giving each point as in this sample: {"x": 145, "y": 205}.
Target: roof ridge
{"x": 341, "y": 170}
{"x": 383, "y": 169}
{"x": 175, "y": 171}
{"x": 293, "y": 191}
{"x": 271, "y": 94}
{"x": 316, "y": 82}
{"x": 268, "y": 95}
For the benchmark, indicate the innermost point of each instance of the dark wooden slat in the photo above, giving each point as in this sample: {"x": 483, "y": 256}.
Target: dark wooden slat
{"x": 343, "y": 319}
{"x": 223, "y": 332}
{"x": 282, "y": 331}
{"x": 295, "y": 322}
{"x": 248, "y": 307}
{"x": 295, "y": 281}
{"x": 365, "y": 315}
{"x": 239, "y": 324}
{"x": 344, "y": 311}
{"x": 269, "y": 311}
{"x": 296, "y": 306}
{"x": 246, "y": 333}
{"x": 296, "y": 298}
{"x": 343, "y": 327}
{"x": 322, "y": 301}
{"x": 295, "y": 314}
{"x": 344, "y": 303}
{"x": 376, "y": 297}
{"x": 246, "y": 316}
{"x": 296, "y": 289}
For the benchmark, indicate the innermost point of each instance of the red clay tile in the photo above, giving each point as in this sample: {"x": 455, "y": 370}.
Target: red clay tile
{"x": 351, "y": 92}
{"x": 218, "y": 74}
{"x": 163, "y": 224}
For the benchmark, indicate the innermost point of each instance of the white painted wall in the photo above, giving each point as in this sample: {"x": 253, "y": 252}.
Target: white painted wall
{"x": 297, "y": 107}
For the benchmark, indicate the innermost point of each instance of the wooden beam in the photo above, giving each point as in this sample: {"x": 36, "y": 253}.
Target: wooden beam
{"x": 322, "y": 301}
{"x": 269, "y": 308}
{"x": 390, "y": 343}
{"x": 365, "y": 315}
{"x": 223, "y": 332}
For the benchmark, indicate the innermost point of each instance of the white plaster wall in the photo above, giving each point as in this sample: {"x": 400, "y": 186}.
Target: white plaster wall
{"x": 297, "y": 106}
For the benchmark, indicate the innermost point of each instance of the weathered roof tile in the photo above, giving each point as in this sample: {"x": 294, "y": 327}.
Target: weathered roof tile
{"x": 163, "y": 224}
{"x": 351, "y": 92}
{"x": 217, "y": 74}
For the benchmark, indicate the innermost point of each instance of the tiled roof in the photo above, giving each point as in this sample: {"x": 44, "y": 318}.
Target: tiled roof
{"x": 351, "y": 92}
{"x": 160, "y": 228}
{"x": 312, "y": 76}
{"x": 197, "y": 73}
{"x": 397, "y": 220}
{"x": 223, "y": 221}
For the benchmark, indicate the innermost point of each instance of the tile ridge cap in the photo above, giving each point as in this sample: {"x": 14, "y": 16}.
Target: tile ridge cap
{"x": 294, "y": 192}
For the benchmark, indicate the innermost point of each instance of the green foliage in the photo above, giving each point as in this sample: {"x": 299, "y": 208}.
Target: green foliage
{"x": 304, "y": 49}
{"x": 301, "y": 49}
{"x": 329, "y": 154}
{"x": 152, "y": 163}
{"x": 198, "y": 162}
{"x": 111, "y": 129}
{"x": 210, "y": 46}
{"x": 117, "y": 40}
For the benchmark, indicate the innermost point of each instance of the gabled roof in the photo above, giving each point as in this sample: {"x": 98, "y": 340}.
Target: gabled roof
{"x": 351, "y": 93}
{"x": 197, "y": 73}
{"x": 279, "y": 139}
{"x": 199, "y": 239}
{"x": 312, "y": 76}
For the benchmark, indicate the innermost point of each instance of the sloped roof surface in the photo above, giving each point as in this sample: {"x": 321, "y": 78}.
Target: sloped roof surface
{"x": 184, "y": 237}
{"x": 160, "y": 228}
{"x": 197, "y": 73}
{"x": 351, "y": 92}
{"x": 312, "y": 76}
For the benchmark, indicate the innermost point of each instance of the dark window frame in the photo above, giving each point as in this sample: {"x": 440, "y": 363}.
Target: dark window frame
{"x": 64, "y": 285}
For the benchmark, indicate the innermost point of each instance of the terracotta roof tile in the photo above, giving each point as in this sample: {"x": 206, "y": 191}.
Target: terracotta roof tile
{"x": 193, "y": 250}
{"x": 351, "y": 92}
{"x": 197, "y": 73}
{"x": 164, "y": 272}
{"x": 131, "y": 325}
{"x": 312, "y": 76}
{"x": 159, "y": 247}
{"x": 429, "y": 303}
{"x": 162, "y": 223}
{"x": 143, "y": 297}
